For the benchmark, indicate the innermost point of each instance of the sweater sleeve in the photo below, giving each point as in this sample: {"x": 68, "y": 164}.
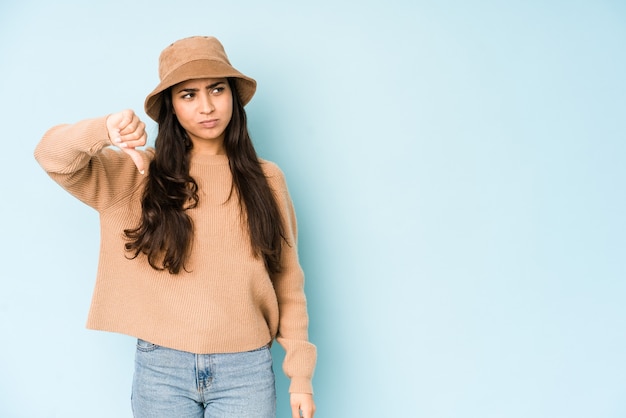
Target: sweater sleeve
{"x": 78, "y": 158}
{"x": 300, "y": 354}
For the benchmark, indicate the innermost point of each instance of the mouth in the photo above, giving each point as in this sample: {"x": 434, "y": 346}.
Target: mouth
{"x": 209, "y": 123}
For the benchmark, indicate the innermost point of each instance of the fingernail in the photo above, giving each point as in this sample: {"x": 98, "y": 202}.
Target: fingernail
{"x": 123, "y": 145}
{"x": 141, "y": 172}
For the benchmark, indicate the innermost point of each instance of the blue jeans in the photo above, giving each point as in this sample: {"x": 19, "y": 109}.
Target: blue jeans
{"x": 176, "y": 384}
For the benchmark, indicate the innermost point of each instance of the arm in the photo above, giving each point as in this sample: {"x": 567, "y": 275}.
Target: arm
{"x": 79, "y": 158}
{"x": 300, "y": 355}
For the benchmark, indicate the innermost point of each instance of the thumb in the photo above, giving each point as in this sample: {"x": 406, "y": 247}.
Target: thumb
{"x": 136, "y": 157}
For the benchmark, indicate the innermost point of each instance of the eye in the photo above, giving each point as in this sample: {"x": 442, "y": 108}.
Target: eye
{"x": 218, "y": 90}
{"x": 187, "y": 96}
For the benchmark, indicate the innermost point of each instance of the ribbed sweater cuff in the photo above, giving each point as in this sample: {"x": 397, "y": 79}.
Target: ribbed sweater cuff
{"x": 301, "y": 385}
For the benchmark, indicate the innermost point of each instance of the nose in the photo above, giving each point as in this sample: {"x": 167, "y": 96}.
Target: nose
{"x": 206, "y": 105}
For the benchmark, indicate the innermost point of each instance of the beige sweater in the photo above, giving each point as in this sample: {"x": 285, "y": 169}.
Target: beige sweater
{"x": 226, "y": 302}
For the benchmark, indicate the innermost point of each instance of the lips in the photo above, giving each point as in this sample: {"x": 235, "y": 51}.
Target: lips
{"x": 210, "y": 123}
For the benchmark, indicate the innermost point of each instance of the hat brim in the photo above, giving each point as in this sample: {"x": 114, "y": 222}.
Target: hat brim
{"x": 192, "y": 70}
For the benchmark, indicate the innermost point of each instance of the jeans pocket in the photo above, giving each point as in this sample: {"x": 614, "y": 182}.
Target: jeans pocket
{"x": 145, "y": 346}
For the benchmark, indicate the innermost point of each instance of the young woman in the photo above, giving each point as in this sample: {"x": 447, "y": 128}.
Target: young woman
{"x": 198, "y": 255}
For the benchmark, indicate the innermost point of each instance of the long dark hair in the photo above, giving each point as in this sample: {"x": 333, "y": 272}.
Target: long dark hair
{"x": 165, "y": 232}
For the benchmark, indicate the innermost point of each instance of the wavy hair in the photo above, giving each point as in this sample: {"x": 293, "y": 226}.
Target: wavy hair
{"x": 165, "y": 232}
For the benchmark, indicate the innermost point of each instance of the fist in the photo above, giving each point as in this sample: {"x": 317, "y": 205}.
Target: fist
{"x": 127, "y": 132}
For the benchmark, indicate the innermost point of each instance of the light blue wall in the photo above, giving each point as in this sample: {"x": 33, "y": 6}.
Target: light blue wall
{"x": 458, "y": 172}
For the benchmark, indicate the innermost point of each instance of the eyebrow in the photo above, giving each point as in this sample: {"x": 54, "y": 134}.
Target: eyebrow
{"x": 210, "y": 86}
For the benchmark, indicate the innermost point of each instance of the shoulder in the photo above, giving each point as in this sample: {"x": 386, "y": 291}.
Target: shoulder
{"x": 271, "y": 169}
{"x": 274, "y": 174}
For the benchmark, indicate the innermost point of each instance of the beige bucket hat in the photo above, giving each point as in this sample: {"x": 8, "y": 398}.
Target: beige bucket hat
{"x": 192, "y": 58}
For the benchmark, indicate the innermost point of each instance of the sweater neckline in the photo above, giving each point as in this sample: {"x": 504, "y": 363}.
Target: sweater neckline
{"x": 206, "y": 160}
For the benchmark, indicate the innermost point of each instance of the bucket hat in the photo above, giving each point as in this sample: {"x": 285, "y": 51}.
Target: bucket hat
{"x": 192, "y": 58}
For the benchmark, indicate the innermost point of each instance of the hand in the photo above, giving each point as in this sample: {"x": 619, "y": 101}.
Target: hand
{"x": 302, "y": 402}
{"x": 127, "y": 132}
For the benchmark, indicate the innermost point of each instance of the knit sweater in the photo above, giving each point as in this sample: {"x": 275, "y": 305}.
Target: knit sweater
{"x": 225, "y": 301}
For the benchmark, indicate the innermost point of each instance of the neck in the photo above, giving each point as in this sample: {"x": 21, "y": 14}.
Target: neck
{"x": 207, "y": 148}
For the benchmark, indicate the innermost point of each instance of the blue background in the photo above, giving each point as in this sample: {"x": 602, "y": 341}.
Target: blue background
{"x": 457, "y": 169}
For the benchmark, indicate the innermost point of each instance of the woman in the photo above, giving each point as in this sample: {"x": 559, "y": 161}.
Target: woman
{"x": 198, "y": 255}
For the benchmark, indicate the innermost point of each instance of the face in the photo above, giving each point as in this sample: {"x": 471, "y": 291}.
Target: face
{"x": 204, "y": 108}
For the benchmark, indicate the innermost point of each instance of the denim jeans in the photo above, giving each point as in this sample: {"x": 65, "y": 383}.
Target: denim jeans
{"x": 175, "y": 384}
